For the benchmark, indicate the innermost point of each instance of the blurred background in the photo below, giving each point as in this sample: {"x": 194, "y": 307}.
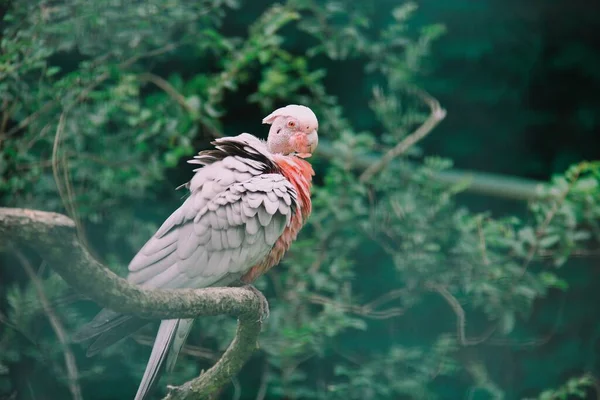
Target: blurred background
{"x": 464, "y": 268}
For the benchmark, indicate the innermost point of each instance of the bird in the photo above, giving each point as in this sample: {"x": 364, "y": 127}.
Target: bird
{"x": 247, "y": 202}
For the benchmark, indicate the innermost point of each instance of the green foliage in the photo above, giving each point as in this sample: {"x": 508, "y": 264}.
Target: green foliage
{"x": 573, "y": 388}
{"x": 377, "y": 298}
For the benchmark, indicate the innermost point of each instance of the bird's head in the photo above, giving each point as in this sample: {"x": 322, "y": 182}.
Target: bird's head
{"x": 293, "y": 131}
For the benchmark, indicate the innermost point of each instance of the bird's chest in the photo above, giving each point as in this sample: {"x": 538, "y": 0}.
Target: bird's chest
{"x": 299, "y": 173}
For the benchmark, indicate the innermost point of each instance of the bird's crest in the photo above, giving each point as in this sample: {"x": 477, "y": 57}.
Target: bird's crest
{"x": 299, "y": 112}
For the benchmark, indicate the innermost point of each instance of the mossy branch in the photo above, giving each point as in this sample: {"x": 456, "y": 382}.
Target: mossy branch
{"x": 54, "y": 238}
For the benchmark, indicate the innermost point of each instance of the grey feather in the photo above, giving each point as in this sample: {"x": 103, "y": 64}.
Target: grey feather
{"x": 236, "y": 210}
{"x": 272, "y": 196}
{"x": 203, "y": 238}
{"x": 250, "y": 239}
{"x": 186, "y": 243}
{"x": 143, "y": 275}
{"x": 214, "y": 219}
{"x": 244, "y": 252}
{"x": 114, "y": 334}
{"x": 162, "y": 344}
{"x": 284, "y": 208}
{"x": 174, "y": 219}
{"x": 225, "y": 239}
{"x": 264, "y": 216}
{"x": 183, "y": 330}
{"x": 224, "y": 261}
{"x": 165, "y": 279}
{"x": 190, "y": 266}
{"x": 230, "y": 216}
{"x": 287, "y": 199}
{"x": 213, "y": 263}
{"x": 235, "y": 163}
{"x": 271, "y": 206}
{"x": 254, "y": 199}
{"x": 215, "y": 240}
{"x": 222, "y": 214}
{"x": 154, "y": 250}
{"x": 274, "y": 229}
{"x": 248, "y": 210}
{"x": 235, "y": 236}
{"x": 252, "y": 226}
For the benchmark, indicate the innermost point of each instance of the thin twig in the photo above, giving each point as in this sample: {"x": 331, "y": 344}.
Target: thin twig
{"x": 262, "y": 389}
{"x": 538, "y": 341}
{"x": 32, "y": 117}
{"x": 583, "y": 253}
{"x": 482, "y": 242}
{"x": 179, "y": 98}
{"x": 546, "y": 223}
{"x": 595, "y": 384}
{"x": 4, "y": 320}
{"x": 6, "y": 113}
{"x": 460, "y": 317}
{"x": 55, "y": 165}
{"x": 237, "y": 388}
{"x": 367, "y": 310}
{"x": 190, "y": 350}
{"x": 66, "y": 192}
{"x": 59, "y": 330}
{"x": 437, "y": 114}
{"x": 167, "y": 88}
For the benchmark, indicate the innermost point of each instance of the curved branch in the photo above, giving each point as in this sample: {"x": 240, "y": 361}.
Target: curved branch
{"x": 53, "y": 237}
{"x": 437, "y": 113}
{"x": 461, "y": 319}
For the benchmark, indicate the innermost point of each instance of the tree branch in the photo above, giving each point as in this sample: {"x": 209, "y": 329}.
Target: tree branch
{"x": 167, "y": 88}
{"x": 460, "y": 317}
{"x": 53, "y": 237}
{"x": 483, "y": 183}
{"x": 437, "y": 113}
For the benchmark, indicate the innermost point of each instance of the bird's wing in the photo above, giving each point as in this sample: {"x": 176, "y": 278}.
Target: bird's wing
{"x": 211, "y": 237}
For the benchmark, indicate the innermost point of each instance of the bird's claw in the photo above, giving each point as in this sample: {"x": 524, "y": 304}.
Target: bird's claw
{"x": 264, "y": 304}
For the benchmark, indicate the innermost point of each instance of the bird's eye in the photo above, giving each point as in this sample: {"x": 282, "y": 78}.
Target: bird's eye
{"x": 291, "y": 124}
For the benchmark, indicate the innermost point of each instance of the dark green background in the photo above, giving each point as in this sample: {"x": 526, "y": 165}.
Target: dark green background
{"x": 520, "y": 81}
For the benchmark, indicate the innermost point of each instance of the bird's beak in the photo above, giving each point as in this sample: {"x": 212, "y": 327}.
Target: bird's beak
{"x": 309, "y": 145}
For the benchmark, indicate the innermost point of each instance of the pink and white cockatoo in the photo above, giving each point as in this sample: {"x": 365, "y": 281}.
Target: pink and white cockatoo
{"x": 246, "y": 206}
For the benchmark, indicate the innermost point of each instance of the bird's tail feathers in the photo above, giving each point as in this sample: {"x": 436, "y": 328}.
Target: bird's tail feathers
{"x": 169, "y": 341}
{"x": 105, "y": 320}
{"x": 183, "y": 330}
{"x": 108, "y": 327}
